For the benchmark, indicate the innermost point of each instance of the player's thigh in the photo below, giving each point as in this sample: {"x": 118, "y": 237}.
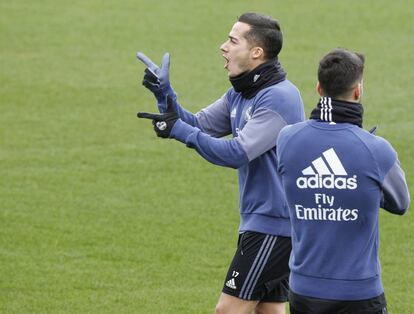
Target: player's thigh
{"x": 270, "y": 308}
{"x": 228, "y": 304}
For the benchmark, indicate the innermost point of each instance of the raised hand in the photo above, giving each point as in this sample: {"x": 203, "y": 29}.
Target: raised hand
{"x": 157, "y": 79}
{"x": 164, "y": 122}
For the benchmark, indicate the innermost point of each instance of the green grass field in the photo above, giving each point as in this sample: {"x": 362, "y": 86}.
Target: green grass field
{"x": 97, "y": 215}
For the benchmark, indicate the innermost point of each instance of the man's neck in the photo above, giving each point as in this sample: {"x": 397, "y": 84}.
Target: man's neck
{"x": 255, "y": 64}
{"x": 348, "y": 99}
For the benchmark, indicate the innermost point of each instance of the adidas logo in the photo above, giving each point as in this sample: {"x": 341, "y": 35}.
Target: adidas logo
{"x": 231, "y": 284}
{"x": 327, "y": 172}
{"x": 322, "y": 168}
{"x": 233, "y": 113}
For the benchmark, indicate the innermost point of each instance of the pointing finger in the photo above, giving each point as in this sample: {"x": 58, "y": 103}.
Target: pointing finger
{"x": 147, "y": 61}
{"x": 147, "y": 115}
{"x": 165, "y": 66}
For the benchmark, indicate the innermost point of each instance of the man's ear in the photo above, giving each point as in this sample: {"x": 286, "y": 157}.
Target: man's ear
{"x": 257, "y": 53}
{"x": 319, "y": 89}
{"x": 358, "y": 91}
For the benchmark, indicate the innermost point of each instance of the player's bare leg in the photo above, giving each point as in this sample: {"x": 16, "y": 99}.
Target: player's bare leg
{"x": 228, "y": 304}
{"x": 270, "y": 308}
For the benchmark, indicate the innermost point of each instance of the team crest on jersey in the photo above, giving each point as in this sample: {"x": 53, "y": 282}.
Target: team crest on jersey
{"x": 248, "y": 114}
{"x": 233, "y": 113}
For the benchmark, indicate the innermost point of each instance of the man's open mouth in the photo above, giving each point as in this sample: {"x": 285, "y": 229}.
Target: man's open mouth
{"x": 226, "y": 63}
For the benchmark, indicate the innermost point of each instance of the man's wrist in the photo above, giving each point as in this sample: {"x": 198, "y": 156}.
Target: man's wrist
{"x": 181, "y": 131}
{"x": 171, "y": 92}
{"x": 161, "y": 94}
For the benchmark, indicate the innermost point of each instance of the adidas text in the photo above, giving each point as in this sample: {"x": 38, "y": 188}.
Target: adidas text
{"x": 327, "y": 182}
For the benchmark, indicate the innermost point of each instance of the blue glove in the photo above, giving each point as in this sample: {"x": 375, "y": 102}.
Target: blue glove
{"x": 157, "y": 79}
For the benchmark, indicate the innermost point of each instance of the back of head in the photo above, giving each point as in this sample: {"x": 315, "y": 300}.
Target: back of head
{"x": 339, "y": 72}
{"x": 264, "y": 32}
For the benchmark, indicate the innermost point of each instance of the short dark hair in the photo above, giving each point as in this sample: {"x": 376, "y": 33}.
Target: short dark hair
{"x": 264, "y": 31}
{"x": 339, "y": 71}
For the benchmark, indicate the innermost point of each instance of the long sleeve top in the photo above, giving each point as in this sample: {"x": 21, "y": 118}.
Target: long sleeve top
{"x": 254, "y": 125}
{"x": 336, "y": 177}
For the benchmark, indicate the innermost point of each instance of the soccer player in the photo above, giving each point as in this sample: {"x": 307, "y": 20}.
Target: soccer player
{"x": 260, "y": 103}
{"x": 336, "y": 176}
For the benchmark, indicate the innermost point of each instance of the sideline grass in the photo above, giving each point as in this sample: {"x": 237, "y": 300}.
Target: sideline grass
{"x": 99, "y": 216}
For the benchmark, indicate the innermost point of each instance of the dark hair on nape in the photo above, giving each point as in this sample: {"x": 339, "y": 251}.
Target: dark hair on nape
{"x": 264, "y": 32}
{"x": 339, "y": 71}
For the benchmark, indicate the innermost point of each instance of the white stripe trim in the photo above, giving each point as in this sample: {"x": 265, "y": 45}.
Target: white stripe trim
{"x": 330, "y": 108}
{"x": 322, "y": 108}
{"x": 269, "y": 251}
{"x": 252, "y": 269}
{"x": 326, "y": 109}
{"x": 257, "y": 272}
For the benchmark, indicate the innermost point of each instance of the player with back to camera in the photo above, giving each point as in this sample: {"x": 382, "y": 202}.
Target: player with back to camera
{"x": 336, "y": 176}
{"x": 260, "y": 103}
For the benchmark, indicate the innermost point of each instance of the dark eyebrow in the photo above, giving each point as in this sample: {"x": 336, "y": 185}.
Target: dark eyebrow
{"x": 233, "y": 38}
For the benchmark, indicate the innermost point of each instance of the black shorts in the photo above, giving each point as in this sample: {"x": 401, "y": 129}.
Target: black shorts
{"x": 260, "y": 268}
{"x": 305, "y": 305}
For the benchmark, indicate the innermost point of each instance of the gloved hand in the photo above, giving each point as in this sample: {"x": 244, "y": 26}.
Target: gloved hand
{"x": 157, "y": 79}
{"x": 164, "y": 122}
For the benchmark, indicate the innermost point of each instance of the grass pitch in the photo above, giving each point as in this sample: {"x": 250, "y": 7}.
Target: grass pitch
{"x": 97, "y": 215}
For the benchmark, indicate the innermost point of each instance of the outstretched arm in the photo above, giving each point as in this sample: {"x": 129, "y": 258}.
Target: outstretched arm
{"x": 258, "y": 136}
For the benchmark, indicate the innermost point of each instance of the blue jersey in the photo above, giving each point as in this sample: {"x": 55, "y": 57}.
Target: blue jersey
{"x": 255, "y": 125}
{"x": 336, "y": 177}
